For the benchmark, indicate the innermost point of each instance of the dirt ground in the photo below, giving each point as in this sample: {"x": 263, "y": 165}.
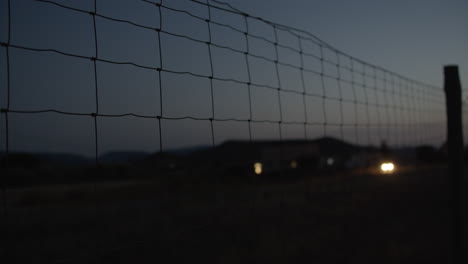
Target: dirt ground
{"x": 340, "y": 218}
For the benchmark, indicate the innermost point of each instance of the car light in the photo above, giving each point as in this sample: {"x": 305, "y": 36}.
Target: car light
{"x": 258, "y": 168}
{"x": 387, "y": 167}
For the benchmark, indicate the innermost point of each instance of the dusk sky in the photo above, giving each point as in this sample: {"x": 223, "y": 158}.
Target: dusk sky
{"x": 412, "y": 38}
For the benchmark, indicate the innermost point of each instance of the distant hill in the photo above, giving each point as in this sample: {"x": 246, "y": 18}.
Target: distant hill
{"x": 33, "y": 159}
{"x": 327, "y": 145}
{"x": 123, "y": 156}
{"x": 64, "y": 158}
{"x": 189, "y": 150}
{"x": 244, "y": 150}
{"x": 23, "y": 159}
{"x": 231, "y": 149}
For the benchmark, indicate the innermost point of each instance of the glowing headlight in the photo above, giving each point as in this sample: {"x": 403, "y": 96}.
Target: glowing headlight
{"x": 387, "y": 167}
{"x": 258, "y": 168}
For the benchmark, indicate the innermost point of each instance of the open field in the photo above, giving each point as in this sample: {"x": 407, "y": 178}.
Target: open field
{"x": 355, "y": 218}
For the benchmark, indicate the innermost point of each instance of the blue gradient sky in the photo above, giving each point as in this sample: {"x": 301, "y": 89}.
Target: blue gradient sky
{"x": 413, "y": 38}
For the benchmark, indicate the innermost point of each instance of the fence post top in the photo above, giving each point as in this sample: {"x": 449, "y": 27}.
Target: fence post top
{"x": 450, "y": 67}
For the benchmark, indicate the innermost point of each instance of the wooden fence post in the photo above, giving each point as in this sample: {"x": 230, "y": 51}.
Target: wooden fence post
{"x": 455, "y": 147}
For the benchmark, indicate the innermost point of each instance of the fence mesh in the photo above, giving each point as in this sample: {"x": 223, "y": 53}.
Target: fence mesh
{"x": 277, "y": 77}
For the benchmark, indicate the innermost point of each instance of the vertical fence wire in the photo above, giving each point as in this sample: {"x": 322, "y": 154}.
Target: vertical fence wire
{"x": 376, "y": 100}
{"x": 249, "y": 74}
{"x": 324, "y": 91}
{"x": 5, "y": 165}
{"x": 96, "y": 89}
{"x": 366, "y": 102}
{"x": 303, "y": 85}
{"x": 354, "y": 101}
{"x": 413, "y": 111}
{"x": 210, "y": 57}
{"x": 401, "y": 113}
{"x": 386, "y": 106}
{"x": 395, "y": 102}
{"x": 278, "y": 79}
{"x": 420, "y": 117}
{"x": 161, "y": 101}
{"x": 96, "y": 131}
{"x": 340, "y": 94}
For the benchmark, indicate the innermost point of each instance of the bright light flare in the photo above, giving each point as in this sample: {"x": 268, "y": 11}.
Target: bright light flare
{"x": 387, "y": 167}
{"x": 258, "y": 168}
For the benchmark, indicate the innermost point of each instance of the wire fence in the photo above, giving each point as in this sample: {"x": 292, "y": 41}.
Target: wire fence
{"x": 294, "y": 81}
